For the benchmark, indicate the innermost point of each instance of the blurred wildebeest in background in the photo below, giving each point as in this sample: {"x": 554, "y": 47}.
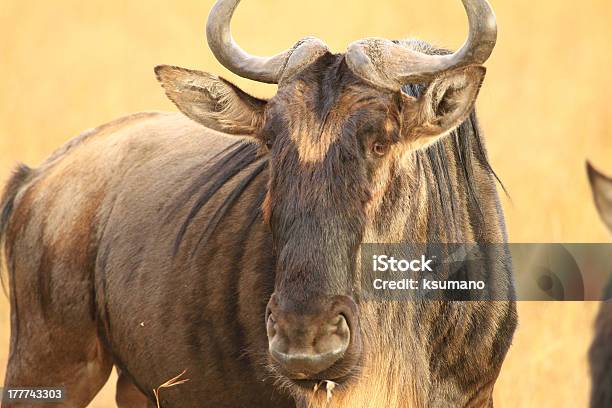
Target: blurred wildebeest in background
{"x": 226, "y": 241}
{"x": 600, "y": 354}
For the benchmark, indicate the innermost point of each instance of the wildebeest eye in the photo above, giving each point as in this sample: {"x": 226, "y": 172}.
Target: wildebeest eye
{"x": 380, "y": 148}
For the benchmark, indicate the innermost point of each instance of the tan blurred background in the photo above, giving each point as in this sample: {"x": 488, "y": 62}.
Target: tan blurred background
{"x": 69, "y": 65}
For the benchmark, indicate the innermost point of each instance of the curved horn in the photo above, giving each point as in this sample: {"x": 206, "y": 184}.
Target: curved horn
{"x": 234, "y": 58}
{"x": 393, "y": 64}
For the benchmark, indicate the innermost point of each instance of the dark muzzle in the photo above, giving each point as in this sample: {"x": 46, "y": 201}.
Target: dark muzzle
{"x": 320, "y": 344}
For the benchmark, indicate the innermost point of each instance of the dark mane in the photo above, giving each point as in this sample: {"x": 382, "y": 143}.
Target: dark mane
{"x": 469, "y": 151}
{"x": 467, "y": 146}
{"x": 232, "y": 162}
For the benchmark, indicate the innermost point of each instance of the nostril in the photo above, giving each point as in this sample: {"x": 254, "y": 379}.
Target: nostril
{"x": 336, "y": 336}
{"x": 271, "y": 326}
{"x": 337, "y": 320}
{"x": 341, "y": 324}
{"x": 338, "y": 326}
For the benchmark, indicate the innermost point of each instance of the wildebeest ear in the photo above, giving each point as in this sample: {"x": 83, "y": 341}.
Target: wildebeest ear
{"x": 212, "y": 101}
{"x": 445, "y": 104}
{"x": 602, "y": 194}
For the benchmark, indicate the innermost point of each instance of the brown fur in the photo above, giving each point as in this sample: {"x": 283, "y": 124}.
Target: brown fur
{"x": 143, "y": 245}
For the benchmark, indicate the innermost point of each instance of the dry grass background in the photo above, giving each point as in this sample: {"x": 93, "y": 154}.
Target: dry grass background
{"x": 68, "y": 65}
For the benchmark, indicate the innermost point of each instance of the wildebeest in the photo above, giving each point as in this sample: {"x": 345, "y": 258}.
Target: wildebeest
{"x": 224, "y": 241}
{"x": 600, "y": 353}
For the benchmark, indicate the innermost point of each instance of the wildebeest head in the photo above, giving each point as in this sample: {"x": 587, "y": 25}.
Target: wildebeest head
{"x": 602, "y": 194}
{"x": 337, "y": 131}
